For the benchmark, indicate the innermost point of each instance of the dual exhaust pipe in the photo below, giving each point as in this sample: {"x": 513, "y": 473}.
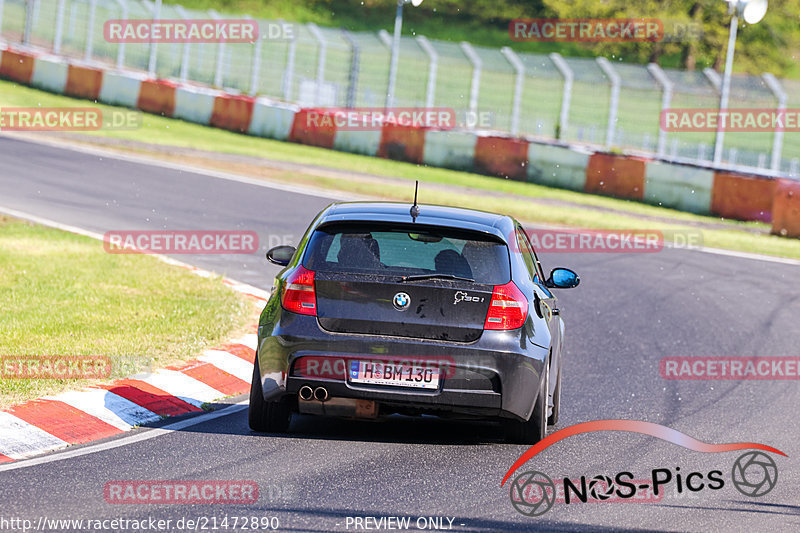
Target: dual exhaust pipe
{"x": 307, "y": 394}
{"x": 317, "y": 401}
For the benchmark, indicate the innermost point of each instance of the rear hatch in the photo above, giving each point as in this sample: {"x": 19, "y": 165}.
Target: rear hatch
{"x": 405, "y": 281}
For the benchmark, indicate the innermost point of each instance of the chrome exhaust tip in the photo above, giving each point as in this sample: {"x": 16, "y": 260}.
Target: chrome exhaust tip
{"x": 321, "y": 394}
{"x": 306, "y": 393}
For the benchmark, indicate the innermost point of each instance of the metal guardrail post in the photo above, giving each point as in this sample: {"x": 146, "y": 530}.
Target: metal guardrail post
{"x": 123, "y": 8}
{"x": 151, "y": 64}
{"x": 519, "y": 67}
{"x": 323, "y": 49}
{"x": 385, "y": 38}
{"x": 777, "y": 141}
{"x": 666, "y": 100}
{"x": 566, "y": 97}
{"x": 218, "y": 78}
{"x": 613, "y": 105}
{"x": 355, "y": 59}
{"x": 255, "y": 67}
{"x": 713, "y": 78}
{"x": 474, "y": 89}
{"x": 288, "y": 72}
{"x": 59, "y": 36}
{"x": 87, "y": 55}
{"x": 433, "y": 67}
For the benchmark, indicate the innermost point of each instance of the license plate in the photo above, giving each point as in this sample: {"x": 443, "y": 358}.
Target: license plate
{"x": 414, "y": 375}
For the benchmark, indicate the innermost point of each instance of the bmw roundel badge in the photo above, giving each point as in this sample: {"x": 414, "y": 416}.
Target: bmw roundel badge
{"x": 401, "y": 301}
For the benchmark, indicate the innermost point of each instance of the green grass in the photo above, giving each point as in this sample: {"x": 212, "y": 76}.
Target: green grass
{"x": 172, "y": 132}
{"x": 63, "y": 295}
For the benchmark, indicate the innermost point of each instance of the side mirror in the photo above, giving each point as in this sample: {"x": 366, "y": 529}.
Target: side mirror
{"x": 562, "y": 278}
{"x": 281, "y": 255}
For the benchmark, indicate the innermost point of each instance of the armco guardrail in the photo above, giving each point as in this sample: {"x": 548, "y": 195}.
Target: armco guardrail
{"x": 685, "y": 187}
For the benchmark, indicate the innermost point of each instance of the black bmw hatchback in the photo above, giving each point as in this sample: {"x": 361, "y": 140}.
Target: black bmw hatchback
{"x": 387, "y": 308}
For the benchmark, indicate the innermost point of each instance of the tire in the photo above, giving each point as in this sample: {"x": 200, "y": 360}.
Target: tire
{"x": 552, "y": 420}
{"x": 535, "y": 428}
{"x": 263, "y": 416}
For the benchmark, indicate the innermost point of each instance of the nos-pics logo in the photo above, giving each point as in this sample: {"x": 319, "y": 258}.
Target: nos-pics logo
{"x": 533, "y": 493}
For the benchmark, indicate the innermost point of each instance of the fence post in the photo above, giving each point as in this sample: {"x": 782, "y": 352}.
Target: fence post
{"x": 433, "y": 67}
{"x": 777, "y": 140}
{"x": 26, "y": 35}
{"x": 288, "y": 73}
{"x": 123, "y": 10}
{"x": 256, "y": 66}
{"x": 90, "y": 31}
{"x": 613, "y": 105}
{"x": 355, "y": 58}
{"x": 566, "y": 96}
{"x": 184, "y": 75}
{"x": 323, "y": 48}
{"x": 59, "y": 36}
{"x": 151, "y": 64}
{"x": 218, "y": 80}
{"x": 520, "y": 77}
{"x": 477, "y": 65}
{"x": 666, "y": 100}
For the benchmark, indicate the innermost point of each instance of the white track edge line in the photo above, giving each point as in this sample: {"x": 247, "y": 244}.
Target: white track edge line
{"x": 124, "y": 441}
{"x": 312, "y": 191}
{"x": 144, "y": 160}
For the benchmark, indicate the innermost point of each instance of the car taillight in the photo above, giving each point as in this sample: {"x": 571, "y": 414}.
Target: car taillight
{"x": 508, "y": 309}
{"x": 299, "y": 295}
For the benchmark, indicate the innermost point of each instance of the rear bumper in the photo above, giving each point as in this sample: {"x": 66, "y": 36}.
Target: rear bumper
{"x": 491, "y": 377}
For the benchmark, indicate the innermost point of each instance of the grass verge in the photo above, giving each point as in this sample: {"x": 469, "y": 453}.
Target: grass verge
{"x": 526, "y": 201}
{"x": 64, "y": 295}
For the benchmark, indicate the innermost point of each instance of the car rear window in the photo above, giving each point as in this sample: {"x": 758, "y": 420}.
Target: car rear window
{"x": 406, "y": 251}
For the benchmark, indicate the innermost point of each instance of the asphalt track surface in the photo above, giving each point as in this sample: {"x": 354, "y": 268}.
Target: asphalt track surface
{"x": 630, "y": 311}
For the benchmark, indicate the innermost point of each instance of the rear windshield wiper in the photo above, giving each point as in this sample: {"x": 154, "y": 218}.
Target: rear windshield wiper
{"x": 433, "y": 276}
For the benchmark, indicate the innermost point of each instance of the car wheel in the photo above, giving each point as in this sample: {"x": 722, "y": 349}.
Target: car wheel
{"x": 552, "y": 420}
{"x": 263, "y": 416}
{"x": 535, "y": 428}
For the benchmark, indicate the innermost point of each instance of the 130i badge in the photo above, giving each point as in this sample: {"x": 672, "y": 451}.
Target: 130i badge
{"x": 462, "y": 296}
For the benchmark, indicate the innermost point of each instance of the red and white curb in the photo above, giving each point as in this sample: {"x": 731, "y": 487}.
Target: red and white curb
{"x": 101, "y": 411}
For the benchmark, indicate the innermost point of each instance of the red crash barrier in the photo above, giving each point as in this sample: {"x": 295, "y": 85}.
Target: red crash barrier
{"x": 786, "y": 208}
{"x": 402, "y": 143}
{"x": 232, "y": 112}
{"x": 16, "y": 66}
{"x": 314, "y": 127}
{"x": 742, "y": 197}
{"x": 502, "y": 157}
{"x": 615, "y": 175}
{"x": 157, "y": 96}
{"x": 84, "y": 82}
